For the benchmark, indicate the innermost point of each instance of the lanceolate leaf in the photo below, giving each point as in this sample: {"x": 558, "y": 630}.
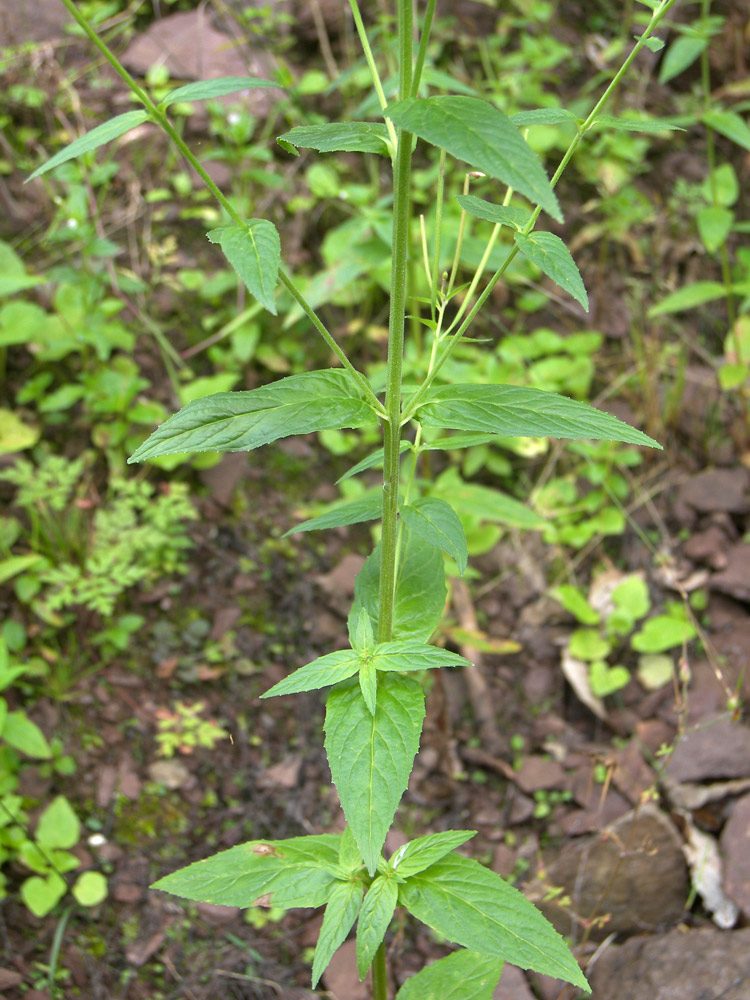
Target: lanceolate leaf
{"x": 254, "y": 251}
{"x": 688, "y": 297}
{"x": 436, "y": 523}
{"x": 423, "y": 852}
{"x": 474, "y": 907}
{"x": 474, "y": 131}
{"x": 92, "y": 140}
{"x": 516, "y": 411}
{"x": 354, "y": 512}
{"x": 485, "y": 504}
{"x": 368, "y": 685}
{"x": 636, "y": 124}
{"x": 464, "y": 975}
{"x": 22, "y": 734}
{"x": 241, "y": 421}
{"x": 203, "y": 90}
{"x": 551, "y": 256}
{"x": 341, "y": 912}
{"x": 410, "y": 655}
{"x": 729, "y": 124}
{"x": 542, "y": 116}
{"x": 295, "y": 872}
{"x": 326, "y": 670}
{"x": 373, "y": 459}
{"x": 355, "y": 137}
{"x": 371, "y": 756}
{"x": 374, "y": 917}
{"x": 503, "y": 215}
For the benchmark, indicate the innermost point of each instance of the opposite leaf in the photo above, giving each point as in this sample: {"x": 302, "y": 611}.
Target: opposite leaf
{"x": 204, "y": 90}
{"x": 464, "y": 975}
{"x": 425, "y": 851}
{"x": 374, "y": 917}
{"x": 326, "y": 670}
{"x": 515, "y": 411}
{"x": 475, "y": 131}
{"x": 241, "y": 421}
{"x": 474, "y": 907}
{"x": 553, "y": 258}
{"x": 254, "y": 251}
{"x": 353, "y": 512}
{"x": 353, "y": 137}
{"x": 287, "y": 873}
{"x": 98, "y": 136}
{"x": 436, "y": 523}
{"x": 371, "y": 756}
{"x": 501, "y": 215}
{"x": 407, "y": 654}
{"x": 342, "y": 908}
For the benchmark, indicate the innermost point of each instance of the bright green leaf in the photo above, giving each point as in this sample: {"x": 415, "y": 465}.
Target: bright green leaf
{"x": 410, "y": 655}
{"x": 371, "y": 757}
{"x": 420, "y": 854}
{"x": 342, "y": 908}
{"x": 553, "y": 258}
{"x": 90, "y": 889}
{"x": 476, "y": 132}
{"x": 655, "y": 670}
{"x": 359, "y": 625}
{"x": 516, "y": 411}
{"x": 17, "y": 564}
{"x": 241, "y": 421}
{"x": 326, "y": 670}
{"x": 92, "y": 140}
{"x": 688, "y": 297}
{"x": 573, "y": 601}
{"x": 502, "y": 215}
{"x": 294, "y": 872}
{"x": 436, "y": 523}
{"x": 632, "y": 597}
{"x": 374, "y": 459}
{"x": 485, "y": 503}
{"x": 605, "y": 680}
{"x": 661, "y": 633}
{"x": 353, "y": 512}
{"x": 354, "y": 137}
{"x": 730, "y": 125}
{"x": 368, "y": 685}
{"x": 588, "y": 644}
{"x": 636, "y": 124}
{"x": 254, "y": 251}
{"x": 374, "y": 917}
{"x": 464, "y": 975}
{"x": 714, "y": 226}
{"x": 350, "y": 856}
{"x": 653, "y": 44}
{"x": 542, "y": 116}
{"x": 204, "y": 90}
{"x": 24, "y": 735}
{"x": 476, "y": 908}
{"x": 681, "y": 53}
{"x": 15, "y": 434}
{"x": 58, "y": 825}
{"x": 41, "y": 895}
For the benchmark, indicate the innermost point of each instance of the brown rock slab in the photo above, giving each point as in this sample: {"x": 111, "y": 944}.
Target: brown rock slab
{"x": 513, "y": 985}
{"x": 717, "y": 489}
{"x": 9, "y": 979}
{"x": 37, "y": 21}
{"x": 735, "y": 844}
{"x": 634, "y": 874}
{"x": 539, "y": 772}
{"x": 704, "y": 964}
{"x": 632, "y": 776}
{"x": 719, "y": 749}
{"x": 341, "y": 978}
{"x": 708, "y": 546}
{"x": 734, "y": 579}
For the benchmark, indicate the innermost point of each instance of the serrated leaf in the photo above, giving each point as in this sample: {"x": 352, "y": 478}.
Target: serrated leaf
{"x": 553, "y": 258}
{"x": 636, "y": 124}
{"x": 714, "y": 226}
{"x": 342, "y": 908}
{"x": 371, "y": 756}
{"x": 457, "y": 441}
{"x": 485, "y": 504}
{"x": 90, "y": 889}
{"x": 681, "y": 53}
{"x": 359, "y": 625}
{"x": 464, "y": 975}
{"x": 501, "y": 215}
{"x": 204, "y": 90}
{"x": 376, "y": 913}
{"x": 295, "y": 872}
{"x": 373, "y": 459}
{"x": 435, "y": 522}
{"x": 409, "y": 655}
{"x": 326, "y": 670}
{"x": 420, "y": 590}
{"x": 353, "y": 512}
{"x": 542, "y": 116}
{"x": 730, "y": 125}
{"x": 368, "y": 685}
{"x": 475, "y": 907}
{"x": 241, "y": 421}
{"x": 98, "y": 136}
{"x": 688, "y": 297}
{"x": 24, "y": 735}
{"x": 476, "y": 132}
{"x": 58, "y": 825}
{"x": 420, "y": 854}
{"x": 517, "y": 411}
{"x": 254, "y": 251}
{"x": 350, "y": 856}
{"x": 353, "y": 137}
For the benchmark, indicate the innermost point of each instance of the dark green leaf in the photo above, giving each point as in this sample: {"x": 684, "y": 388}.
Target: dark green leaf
{"x": 295, "y": 872}
{"x": 342, "y": 908}
{"x": 636, "y": 124}
{"x": 552, "y": 257}
{"x": 542, "y": 116}
{"x": 374, "y": 917}
{"x": 353, "y": 137}
{"x": 404, "y": 655}
{"x": 516, "y": 411}
{"x": 98, "y": 136}
{"x": 371, "y": 757}
{"x": 464, "y": 975}
{"x": 254, "y": 251}
{"x": 436, "y": 523}
{"x": 501, "y": 215}
{"x": 241, "y": 421}
{"x": 353, "y": 512}
{"x": 375, "y": 458}
{"x": 681, "y": 53}
{"x": 204, "y": 90}
{"x": 474, "y": 131}
{"x": 326, "y": 670}
{"x": 474, "y": 907}
{"x": 457, "y": 441}
{"x": 423, "y": 852}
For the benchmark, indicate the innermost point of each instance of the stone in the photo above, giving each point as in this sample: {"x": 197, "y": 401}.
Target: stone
{"x": 733, "y": 579}
{"x": 513, "y": 985}
{"x": 717, "y": 490}
{"x": 538, "y": 772}
{"x": 735, "y": 845}
{"x": 714, "y": 750}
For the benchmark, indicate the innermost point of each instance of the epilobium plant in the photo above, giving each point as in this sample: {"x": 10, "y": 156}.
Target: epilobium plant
{"x": 375, "y": 707}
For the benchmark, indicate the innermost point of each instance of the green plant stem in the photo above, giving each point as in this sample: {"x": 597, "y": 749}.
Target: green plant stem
{"x": 424, "y": 38}
{"x": 438, "y": 233}
{"x": 160, "y": 118}
{"x": 377, "y": 83}
{"x": 455, "y": 339}
{"x": 379, "y": 975}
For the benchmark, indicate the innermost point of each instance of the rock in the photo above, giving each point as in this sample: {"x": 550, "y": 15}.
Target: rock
{"x": 717, "y": 490}
{"x": 539, "y": 772}
{"x": 719, "y": 749}
{"x": 21, "y": 21}
{"x": 170, "y": 773}
{"x": 704, "y": 964}
{"x": 341, "y": 978}
{"x": 512, "y": 985}
{"x": 634, "y": 874}
{"x": 733, "y": 579}
{"x": 708, "y": 546}
{"x": 735, "y": 844}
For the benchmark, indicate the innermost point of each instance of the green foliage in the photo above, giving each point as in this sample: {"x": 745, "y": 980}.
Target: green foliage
{"x": 464, "y": 975}
{"x": 185, "y": 729}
